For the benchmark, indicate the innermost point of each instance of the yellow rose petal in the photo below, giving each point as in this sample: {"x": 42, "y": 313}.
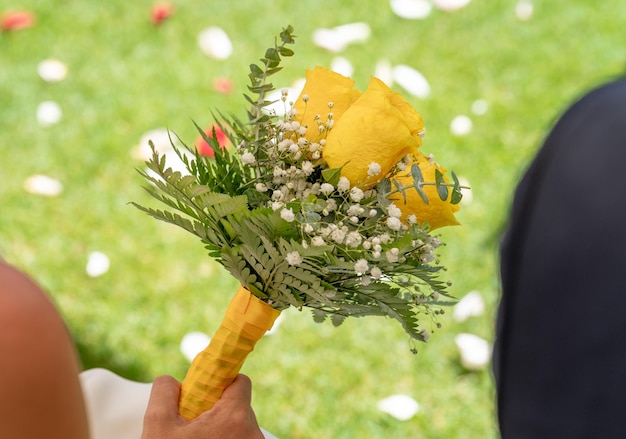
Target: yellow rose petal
{"x": 378, "y": 127}
{"x": 437, "y": 213}
{"x": 323, "y": 86}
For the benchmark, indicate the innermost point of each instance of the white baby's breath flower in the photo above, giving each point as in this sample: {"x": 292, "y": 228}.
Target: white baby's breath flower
{"x": 248, "y": 158}
{"x": 355, "y": 210}
{"x": 401, "y": 166}
{"x": 392, "y": 255}
{"x": 367, "y": 245}
{"x": 412, "y": 219}
{"x": 361, "y": 266}
{"x": 343, "y": 185}
{"x": 338, "y": 235}
{"x": 394, "y": 223}
{"x": 260, "y": 187}
{"x": 385, "y": 238}
{"x": 331, "y": 205}
{"x": 317, "y": 241}
{"x": 316, "y": 155}
{"x": 354, "y": 219}
{"x": 308, "y": 228}
{"x": 307, "y": 167}
{"x": 394, "y": 211}
{"x": 366, "y": 280}
{"x": 327, "y": 188}
{"x": 356, "y": 194}
{"x": 373, "y": 169}
{"x": 373, "y": 212}
{"x": 275, "y": 205}
{"x": 376, "y": 272}
{"x": 287, "y": 215}
{"x": 353, "y": 239}
{"x": 293, "y": 258}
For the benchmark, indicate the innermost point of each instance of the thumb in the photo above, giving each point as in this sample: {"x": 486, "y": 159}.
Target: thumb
{"x": 163, "y": 402}
{"x": 238, "y": 393}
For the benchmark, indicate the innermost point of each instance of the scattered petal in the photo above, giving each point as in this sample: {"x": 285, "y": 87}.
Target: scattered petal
{"x": 16, "y": 20}
{"x": 471, "y": 305}
{"x": 524, "y": 10}
{"x": 97, "y": 264}
{"x": 411, "y": 80}
{"x": 193, "y": 343}
{"x": 49, "y": 113}
{"x": 343, "y": 66}
{"x": 461, "y": 125}
{"x": 222, "y": 139}
{"x": 411, "y": 9}
{"x": 43, "y": 185}
{"x": 384, "y": 72}
{"x": 222, "y": 85}
{"x": 214, "y": 42}
{"x": 480, "y": 107}
{"x": 338, "y": 38}
{"x": 52, "y": 70}
{"x": 401, "y": 407}
{"x": 160, "y": 12}
{"x": 450, "y": 5}
{"x": 475, "y": 352}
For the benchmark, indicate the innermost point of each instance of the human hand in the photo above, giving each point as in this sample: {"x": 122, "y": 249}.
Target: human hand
{"x": 231, "y": 417}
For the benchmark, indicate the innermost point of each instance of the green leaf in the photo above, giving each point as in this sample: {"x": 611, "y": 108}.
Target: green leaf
{"x": 331, "y": 175}
{"x": 442, "y": 187}
{"x": 457, "y": 195}
{"x": 418, "y": 181}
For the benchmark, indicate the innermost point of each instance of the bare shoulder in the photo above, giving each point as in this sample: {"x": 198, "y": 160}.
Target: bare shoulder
{"x": 39, "y": 367}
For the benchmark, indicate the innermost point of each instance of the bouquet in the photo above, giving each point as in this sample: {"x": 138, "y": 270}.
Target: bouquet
{"x": 329, "y": 206}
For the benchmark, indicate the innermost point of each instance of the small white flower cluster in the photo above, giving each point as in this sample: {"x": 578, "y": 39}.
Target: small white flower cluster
{"x": 288, "y": 167}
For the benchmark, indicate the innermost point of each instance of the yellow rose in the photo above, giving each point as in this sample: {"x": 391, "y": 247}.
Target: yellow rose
{"x": 377, "y": 126}
{"x": 437, "y": 213}
{"x": 323, "y": 86}
{"x": 380, "y": 127}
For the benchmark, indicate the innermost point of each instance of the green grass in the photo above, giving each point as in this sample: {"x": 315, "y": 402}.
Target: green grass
{"x": 127, "y": 77}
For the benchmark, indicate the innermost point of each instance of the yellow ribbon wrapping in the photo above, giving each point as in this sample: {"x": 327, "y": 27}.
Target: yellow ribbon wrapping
{"x": 247, "y": 319}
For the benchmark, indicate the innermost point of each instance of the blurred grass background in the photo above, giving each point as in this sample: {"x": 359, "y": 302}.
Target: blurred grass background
{"x": 127, "y": 77}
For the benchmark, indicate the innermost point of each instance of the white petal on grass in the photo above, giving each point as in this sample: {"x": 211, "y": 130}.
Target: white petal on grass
{"x": 411, "y": 9}
{"x": 480, "y": 107}
{"x": 43, "y": 185}
{"x": 49, "y": 113}
{"x": 97, "y": 264}
{"x": 474, "y": 351}
{"x": 193, "y": 343}
{"x": 450, "y": 5}
{"x": 214, "y": 42}
{"x": 52, "y": 70}
{"x": 401, "y": 407}
{"x": 411, "y": 80}
{"x": 338, "y": 38}
{"x": 160, "y": 137}
{"x": 384, "y": 72}
{"x": 461, "y": 125}
{"x": 524, "y": 10}
{"x": 471, "y": 305}
{"x": 342, "y": 65}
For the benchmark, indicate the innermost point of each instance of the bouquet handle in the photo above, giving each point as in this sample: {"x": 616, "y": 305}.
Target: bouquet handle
{"x": 212, "y": 370}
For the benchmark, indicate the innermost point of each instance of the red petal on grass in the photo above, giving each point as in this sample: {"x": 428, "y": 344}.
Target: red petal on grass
{"x": 16, "y": 20}
{"x": 160, "y": 12}
{"x": 222, "y": 139}
{"x": 222, "y": 85}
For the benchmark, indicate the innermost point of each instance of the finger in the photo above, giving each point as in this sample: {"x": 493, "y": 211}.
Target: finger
{"x": 239, "y": 392}
{"x": 164, "y": 397}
